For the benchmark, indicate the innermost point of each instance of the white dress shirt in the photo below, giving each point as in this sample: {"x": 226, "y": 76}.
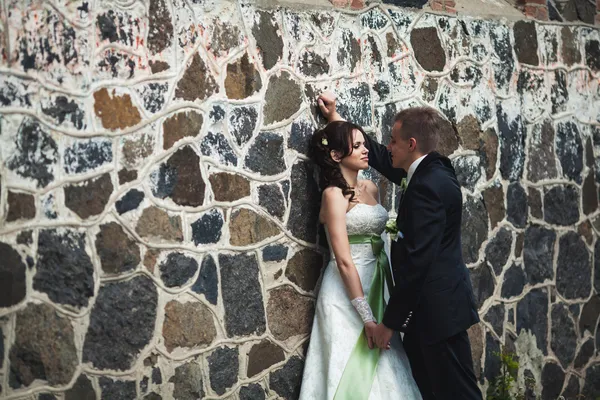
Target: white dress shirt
{"x": 413, "y": 168}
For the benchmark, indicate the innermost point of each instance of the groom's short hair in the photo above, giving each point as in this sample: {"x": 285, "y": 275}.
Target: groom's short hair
{"x": 425, "y": 124}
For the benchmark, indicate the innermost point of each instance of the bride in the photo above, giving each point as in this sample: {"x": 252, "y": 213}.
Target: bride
{"x": 342, "y": 362}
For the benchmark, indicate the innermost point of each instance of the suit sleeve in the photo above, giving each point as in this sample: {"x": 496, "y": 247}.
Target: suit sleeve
{"x": 379, "y": 158}
{"x": 426, "y": 220}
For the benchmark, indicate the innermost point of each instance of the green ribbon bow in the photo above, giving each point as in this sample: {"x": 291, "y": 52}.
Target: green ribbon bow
{"x": 359, "y": 372}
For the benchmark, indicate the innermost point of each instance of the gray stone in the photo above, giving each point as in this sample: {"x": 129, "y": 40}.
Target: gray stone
{"x": 35, "y": 154}
{"x": 126, "y": 176}
{"x": 224, "y": 37}
{"x": 572, "y": 389}
{"x": 585, "y": 354}
{"x": 553, "y": 378}
{"x": 492, "y": 361}
{"x": 503, "y": 62}
{"x": 156, "y": 376}
{"x": 561, "y": 205}
{"x": 573, "y": 269}
{"x": 282, "y": 99}
{"x": 265, "y": 155}
{"x": 208, "y": 280}
{"x": 592, "y": 53}
{"x": 223, "y": 366}
{"x": 493, "y": 198}
{"x": 532, "y": 315}
{"x": 116, "y": 389}
{"x": 542, "y": 161}
{"x": 276, "y": 252}
{"x": 300, "y": 134}
{"x": 177, "y": 269}
{"x": 597, "y": 266}
{"x": 216, "y": 146}
{"x": 64, "y": 270}
{"x": 13, "y": 287}
{"x": 117, "y": 251}
{"x": 559, "y": 94}
{"x": 526, "y": 44}
{"x": 592, "y": 381}
{"x": 482, "y": 281}
{"x": 495, "y": 317}
{"x": 570, "y": 46}
{"x": 188, "y": 382}
{"x": 268, "y": 38}
{"x": 428, "y": 49}
{"x": 516, "y": 205}
{"x": 474, "y": 230}
{"x": 121, "y": 323}
{"x": 43, "y": 348}
{"x": 305, "y": 196}
{"x": 514, "y": 282}
{"x": 86, "y": 155}
{"x": 130, "y": 201}
{"x": 534, "y": 200}
{"x": 242, "y": 295}
{"x": 252, "y": 391}
{"x": 538, "y": 253}
{"x": 286, "y": 381}
{"x": 512, "y": 143}
{"x": 89, "y": 198}
{"x": 569, "y": 150}
{"x": 242, "y": 122}
{"x": 468, "y": 170}
{"x": 81, "y": 390}
{"x": 498, "y": 250}
{"x": 312, "y": 64}
{"x": 564, "y": 337}
{"x": 349, "y": 53}
{"x": 304, "y": 269}
{"x": 208, "y": 228}
{"x": 62, "y": 110}
{"x": 271, "y": 198}
{"x": 589, "y": 315}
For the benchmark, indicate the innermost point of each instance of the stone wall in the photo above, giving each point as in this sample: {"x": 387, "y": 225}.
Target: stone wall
{"x": 158, "y": 233}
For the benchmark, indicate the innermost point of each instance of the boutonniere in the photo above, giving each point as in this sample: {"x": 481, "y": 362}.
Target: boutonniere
{"x": 403, "y": 185}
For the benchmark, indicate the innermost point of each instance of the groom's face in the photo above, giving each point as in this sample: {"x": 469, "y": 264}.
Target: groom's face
{"x": 399, "y": 147}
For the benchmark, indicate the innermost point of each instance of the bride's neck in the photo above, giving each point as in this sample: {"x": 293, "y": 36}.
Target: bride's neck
{"x": 350, "y": 176}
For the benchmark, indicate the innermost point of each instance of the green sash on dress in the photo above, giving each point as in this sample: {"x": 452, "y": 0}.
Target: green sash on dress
{"x": 359, "y": 372}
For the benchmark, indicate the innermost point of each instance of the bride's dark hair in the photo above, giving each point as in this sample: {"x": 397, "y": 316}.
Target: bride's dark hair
{"x": 336, "y": 136}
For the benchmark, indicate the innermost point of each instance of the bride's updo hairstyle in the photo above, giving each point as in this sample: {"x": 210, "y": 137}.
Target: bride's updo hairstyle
{"x": 336, "y": 136}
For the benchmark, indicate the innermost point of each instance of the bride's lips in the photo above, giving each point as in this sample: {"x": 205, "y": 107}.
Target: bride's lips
{"x": 365, "y": 158}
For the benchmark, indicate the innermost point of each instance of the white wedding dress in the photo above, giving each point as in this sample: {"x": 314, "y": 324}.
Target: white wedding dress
{"x": 337, "y": 326}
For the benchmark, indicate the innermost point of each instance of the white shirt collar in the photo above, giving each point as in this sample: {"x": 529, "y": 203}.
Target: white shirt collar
{"x": 413, "y": 168}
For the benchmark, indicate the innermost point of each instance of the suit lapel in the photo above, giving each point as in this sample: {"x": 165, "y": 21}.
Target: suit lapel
{"x": 422, "y": 165}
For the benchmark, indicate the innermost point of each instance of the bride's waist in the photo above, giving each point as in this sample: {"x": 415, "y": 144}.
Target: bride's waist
{"x": 362, "y": 252}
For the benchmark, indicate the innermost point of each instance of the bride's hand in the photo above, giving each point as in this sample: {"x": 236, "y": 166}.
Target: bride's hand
{"x": 326, "y": 102}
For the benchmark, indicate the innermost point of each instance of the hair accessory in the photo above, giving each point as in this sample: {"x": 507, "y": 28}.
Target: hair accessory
{"x": 324, "y": 142}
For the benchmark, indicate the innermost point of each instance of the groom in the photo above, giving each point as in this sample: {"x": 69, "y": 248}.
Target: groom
{"x": 432, "y": 302}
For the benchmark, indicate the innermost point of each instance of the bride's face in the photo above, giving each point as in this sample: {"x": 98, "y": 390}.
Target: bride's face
{"x": 359, "y": 157}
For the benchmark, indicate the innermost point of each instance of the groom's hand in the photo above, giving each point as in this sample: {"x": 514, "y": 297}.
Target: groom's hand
{"x": 383, "y": 336}
{"x": 370, "y": 328}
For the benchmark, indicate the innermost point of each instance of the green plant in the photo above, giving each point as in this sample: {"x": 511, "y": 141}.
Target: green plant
{"x": 500, "y": 387}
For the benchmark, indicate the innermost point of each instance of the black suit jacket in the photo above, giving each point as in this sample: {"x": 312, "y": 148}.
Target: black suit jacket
{"x": 432, "y": 292}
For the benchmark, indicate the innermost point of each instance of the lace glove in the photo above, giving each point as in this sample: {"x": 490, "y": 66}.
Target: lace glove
{"x": 363, "y": 309}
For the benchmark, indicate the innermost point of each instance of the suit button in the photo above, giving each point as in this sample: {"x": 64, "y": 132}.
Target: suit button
{"x": 404, "y": 326}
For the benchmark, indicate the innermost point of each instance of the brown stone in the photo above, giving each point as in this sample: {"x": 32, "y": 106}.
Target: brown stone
{"x": 268, "y": 38}
{"x": 159, "y": 66}
{"x": 20, "y": 206}
{"x": 116, "y": 112}
{"x": 150, "y": 259}
{"x": 229, "y": 187}
{"x": 188, "y": 325}
{"x": 477, "y": 345}
{"x": 126, "y": 175}
{"x": 585, "y": 230}
{"x": 117, "y": 251}
{"x": 248, "y": 227}
{"x": 570, "y": 48}
{"x": 262, "y": 356}
{"x": 44, "y": 347}
{"x": 304, "y": 269}
{"x": 160, "y": 27}
{"x": 90, "y": 197}
{"x": 243, "y": 80}
{"x": 493, "y": 197}
{"x": 224, "y": 37}
{"x": 157, "y": 224}
{"x": 589, "y": 194}
{"x": 542, "y": 155}
{"x": 180, "y": 125}
{"x": 289, "y": 313}
{"x": 534, "y": 199}
{"x": 429, "y": 88}
{"x": 447, "y": 143}
{"x": 468, "y": 132}
{"x": 489, "y": 147}
{"x": 189, "y": 184}
{"x": 197, "y": 82}
{"x": 392, "y": 44}
{"x": 137, "y": 149}
{"x": 428, "y": 49}
{"x": 282, "y": 99}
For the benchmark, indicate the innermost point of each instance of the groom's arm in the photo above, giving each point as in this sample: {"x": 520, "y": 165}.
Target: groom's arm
{"x": 426, "y": 219}
{"x": 379, "y": 158}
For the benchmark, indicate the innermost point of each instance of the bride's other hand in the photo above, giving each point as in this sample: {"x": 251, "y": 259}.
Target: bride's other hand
{"x": 327, "y": 105}
{"x": 370, "y": 328}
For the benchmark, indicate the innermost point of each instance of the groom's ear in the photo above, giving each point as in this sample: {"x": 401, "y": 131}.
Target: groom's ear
{"x": 335, "y": 156}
